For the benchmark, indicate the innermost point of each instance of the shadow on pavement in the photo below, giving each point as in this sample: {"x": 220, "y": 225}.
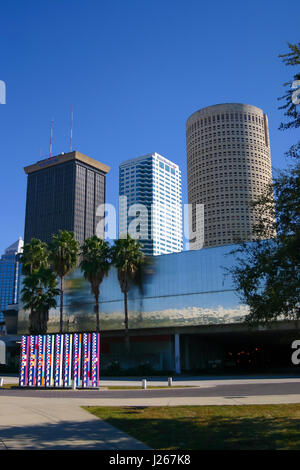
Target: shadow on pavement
{"x": 94, "y": 434}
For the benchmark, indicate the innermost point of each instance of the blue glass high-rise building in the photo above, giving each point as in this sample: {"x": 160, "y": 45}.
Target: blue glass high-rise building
{"x": 150, "y": 206}
{"x": 10, "y": 273}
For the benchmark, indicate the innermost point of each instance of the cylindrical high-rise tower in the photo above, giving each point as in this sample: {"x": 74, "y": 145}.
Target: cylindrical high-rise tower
{"x": 228, "y": 165}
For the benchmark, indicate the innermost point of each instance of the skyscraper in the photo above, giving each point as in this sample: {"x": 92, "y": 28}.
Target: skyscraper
{"x": 229, "y": 164}
{"x": 150, "y": 203}
{"x": 63, "y": 192}
{"x": 9, "y": 276}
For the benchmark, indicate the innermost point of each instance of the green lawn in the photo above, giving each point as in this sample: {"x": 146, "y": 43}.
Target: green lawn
{"x": 246, "y": 427}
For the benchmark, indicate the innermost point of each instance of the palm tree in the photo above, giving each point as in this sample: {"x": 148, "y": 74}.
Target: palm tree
{"x": 143, "y": 272}
{"x": 38, "y": 295}
{"x": 35, "y": 255}
{"x": 64, "y": 251}
{"x": 95, "y": 265}
{"x": 127, "y": 257}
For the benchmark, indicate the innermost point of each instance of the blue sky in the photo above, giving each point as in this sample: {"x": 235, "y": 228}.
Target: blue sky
{"x": 134, "y": 71}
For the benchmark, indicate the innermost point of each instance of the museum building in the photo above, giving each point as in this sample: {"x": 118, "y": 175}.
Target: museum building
{"x": 185, "y": 315}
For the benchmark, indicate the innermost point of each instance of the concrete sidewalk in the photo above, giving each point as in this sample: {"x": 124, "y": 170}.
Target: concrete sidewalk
{"x": 30, "y": 423}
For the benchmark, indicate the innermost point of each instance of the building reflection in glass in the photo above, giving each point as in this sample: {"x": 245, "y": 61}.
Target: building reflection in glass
{"x": 180, "y": 289}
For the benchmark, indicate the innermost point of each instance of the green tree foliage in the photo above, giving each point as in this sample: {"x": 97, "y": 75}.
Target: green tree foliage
{"x": 35, "y": 255}
{"x": 64, "y": 253}
{"x": 38, "y": 291}
{"x": 39, "y": 295}
{"x": 95, "y": 265}
{"x": 291, "y": 110}
{"x": 267, "y": 272}
{"x": 127, "y": 257}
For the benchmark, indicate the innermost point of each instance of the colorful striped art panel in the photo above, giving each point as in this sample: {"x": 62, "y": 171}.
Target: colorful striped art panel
{"x": 76, "y": 359}
{"x": 31, "y": 374}
{"x": 58, "y": 361}
{"x": 24, "y": 361}
{"x": 67, "y": 357}
{"x": 85, "y": 359}
{"x": 95, "y": 359}
{"x": 55, "y": 360}
{"x": 49, "y": 360}
{"x": 40, "y": 360}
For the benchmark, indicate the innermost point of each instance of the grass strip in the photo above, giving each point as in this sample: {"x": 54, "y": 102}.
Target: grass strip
{"x": 237, "y": 427}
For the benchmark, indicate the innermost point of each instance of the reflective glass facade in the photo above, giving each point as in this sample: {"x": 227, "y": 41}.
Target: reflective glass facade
{"x": 10, "y": 270}
{"x": 180, "y": 289}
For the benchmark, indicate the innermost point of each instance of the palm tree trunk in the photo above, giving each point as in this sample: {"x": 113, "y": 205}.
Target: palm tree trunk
{"x": 127, "y": 345}
{"x": 33, "y": 318}
{"x": 35, "y": 326}
{"x": 43, "y": 322}
{"x": 61, "y": 304}
{"x": 97, "y": 312}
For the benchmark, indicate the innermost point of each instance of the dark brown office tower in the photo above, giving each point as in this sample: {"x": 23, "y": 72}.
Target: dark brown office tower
{"x": 63, "y": 192}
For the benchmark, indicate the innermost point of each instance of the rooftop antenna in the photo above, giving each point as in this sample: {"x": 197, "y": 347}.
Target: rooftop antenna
{"x": 71, "y": 131}
{"x": 51, "y": 135}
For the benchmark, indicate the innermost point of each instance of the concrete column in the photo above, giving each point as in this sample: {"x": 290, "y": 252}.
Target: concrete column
{"x": 186, "y": 353}
{"x": 169, "y": 364}
{"x": 177, "y": 354}
{"x": 2, "y": 352}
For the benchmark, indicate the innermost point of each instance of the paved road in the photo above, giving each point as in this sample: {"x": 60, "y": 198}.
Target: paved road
{"x": 206, "y": 390}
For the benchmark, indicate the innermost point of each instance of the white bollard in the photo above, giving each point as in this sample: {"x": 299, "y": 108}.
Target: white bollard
{"x": 1, "y": 381}
{"x": 144, "y": 384}
{"x": 170, "y": 381}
